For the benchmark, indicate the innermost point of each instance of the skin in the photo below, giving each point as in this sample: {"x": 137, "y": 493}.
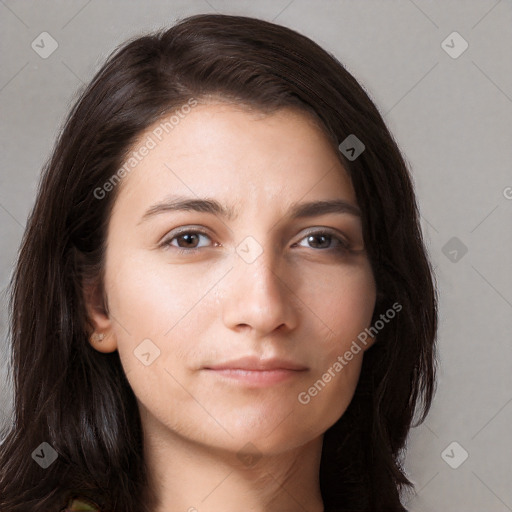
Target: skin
{"x": 301, "y": 299}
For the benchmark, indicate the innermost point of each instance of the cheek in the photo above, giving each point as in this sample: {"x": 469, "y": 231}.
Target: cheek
{"x": 329, "y": 391}
{"x": 153, "y": 301}
{"x": 327, "y": 396}
{"x": 149, "y": 297}
{"x": 343, "y": 299}
{"x": 155, "y": 312}
{"x": 145, "y": 306}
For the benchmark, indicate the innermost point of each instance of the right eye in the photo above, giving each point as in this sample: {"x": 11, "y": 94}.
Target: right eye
{"x": 185, "y": 237}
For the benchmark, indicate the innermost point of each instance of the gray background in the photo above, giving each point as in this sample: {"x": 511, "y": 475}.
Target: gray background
{"x": 452, "y": 117}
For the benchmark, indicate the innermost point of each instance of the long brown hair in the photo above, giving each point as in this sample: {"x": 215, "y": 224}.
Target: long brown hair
{"x": 77, "y": 399}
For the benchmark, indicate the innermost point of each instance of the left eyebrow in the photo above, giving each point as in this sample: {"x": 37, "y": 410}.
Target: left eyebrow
{"x": 207, "y": 205}
{"x": 317, "y": 208}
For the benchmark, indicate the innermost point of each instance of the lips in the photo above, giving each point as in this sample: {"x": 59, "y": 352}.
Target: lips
{"x": 255, "y": 372}
{"x": 254, "y": 363}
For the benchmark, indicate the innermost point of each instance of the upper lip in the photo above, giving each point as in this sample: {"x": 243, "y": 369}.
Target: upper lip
{"x": 256, "y": 363}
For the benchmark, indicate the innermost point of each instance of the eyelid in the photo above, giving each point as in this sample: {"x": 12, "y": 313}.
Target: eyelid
{"x": 170, "y": 235}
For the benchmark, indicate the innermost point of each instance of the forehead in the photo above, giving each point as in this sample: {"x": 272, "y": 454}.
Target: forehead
{"x": 220, "y": 148}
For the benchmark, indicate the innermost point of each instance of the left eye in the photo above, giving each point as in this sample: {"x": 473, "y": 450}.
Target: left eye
{"x": 340, "y": 245}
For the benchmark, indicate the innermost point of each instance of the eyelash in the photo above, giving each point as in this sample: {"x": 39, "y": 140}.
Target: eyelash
{"x": 342, "y": 247}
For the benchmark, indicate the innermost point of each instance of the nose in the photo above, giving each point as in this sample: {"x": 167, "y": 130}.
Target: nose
{"x": 258, "y": 298}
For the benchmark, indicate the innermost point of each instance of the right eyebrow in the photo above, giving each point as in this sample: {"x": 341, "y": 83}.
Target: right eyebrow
{"x": 181, "y": 203}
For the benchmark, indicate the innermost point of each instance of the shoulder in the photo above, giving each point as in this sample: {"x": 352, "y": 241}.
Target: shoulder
{"x": 79, "y": 504}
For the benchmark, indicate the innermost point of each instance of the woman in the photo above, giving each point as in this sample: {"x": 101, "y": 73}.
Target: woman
{"x": 257, "y": 369}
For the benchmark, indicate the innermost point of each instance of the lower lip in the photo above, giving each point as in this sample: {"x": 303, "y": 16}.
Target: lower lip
{"x": 257, "y": 377}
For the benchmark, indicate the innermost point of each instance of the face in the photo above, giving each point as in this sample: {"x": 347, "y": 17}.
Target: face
{"x": 192, "y": 291}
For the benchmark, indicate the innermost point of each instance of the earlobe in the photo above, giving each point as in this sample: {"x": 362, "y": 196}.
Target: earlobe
{"x": 369, "y": 342}
{"x": 366, "y": 339}
{"x": 103, "y": 342}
